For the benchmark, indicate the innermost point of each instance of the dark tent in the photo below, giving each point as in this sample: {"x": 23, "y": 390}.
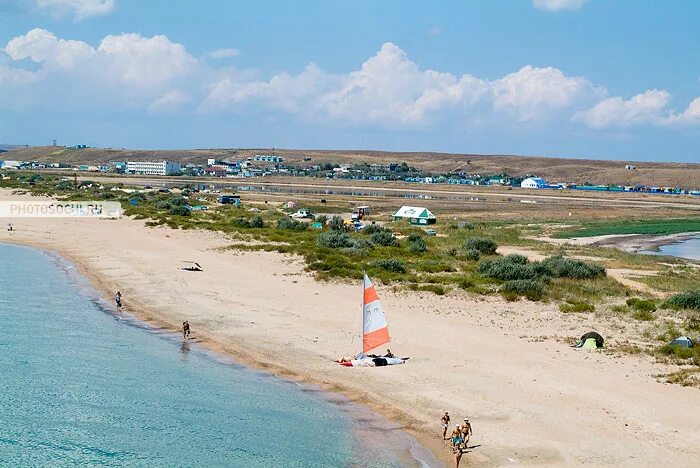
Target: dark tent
{"x": 598, "y": 339}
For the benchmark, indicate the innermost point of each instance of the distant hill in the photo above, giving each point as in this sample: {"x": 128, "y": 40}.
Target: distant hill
{"x": 580, "y": 171}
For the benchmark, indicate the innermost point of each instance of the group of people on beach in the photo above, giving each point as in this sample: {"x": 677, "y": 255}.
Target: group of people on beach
{"x": 459, "y": 438}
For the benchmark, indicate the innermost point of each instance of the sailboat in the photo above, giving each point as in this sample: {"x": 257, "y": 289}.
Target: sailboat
{"x": 375, "y": 330}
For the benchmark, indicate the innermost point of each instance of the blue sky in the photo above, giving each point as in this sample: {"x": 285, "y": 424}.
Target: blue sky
{"x": 616, "y": 79}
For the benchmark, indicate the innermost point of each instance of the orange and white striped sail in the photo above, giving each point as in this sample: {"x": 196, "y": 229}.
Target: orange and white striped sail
{"x": 375, "y": 331}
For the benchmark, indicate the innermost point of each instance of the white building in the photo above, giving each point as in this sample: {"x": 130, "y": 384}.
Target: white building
{"x": 533, "y": 182}
{"x": 163, "y": 168}
{"x": 10, "y": 164}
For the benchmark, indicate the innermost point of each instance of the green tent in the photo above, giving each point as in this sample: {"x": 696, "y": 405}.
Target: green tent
{"x": 590, "y": 344}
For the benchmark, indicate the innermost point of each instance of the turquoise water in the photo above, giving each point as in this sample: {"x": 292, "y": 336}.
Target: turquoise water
{"x": 689, "y": 248}
{"x": 82, "y": 386}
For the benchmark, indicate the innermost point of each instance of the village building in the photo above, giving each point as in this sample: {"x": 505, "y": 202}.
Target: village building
{"x": 163, "y": 168}
{"x": 415, "y": 215}
{"x": 533, "y": 183}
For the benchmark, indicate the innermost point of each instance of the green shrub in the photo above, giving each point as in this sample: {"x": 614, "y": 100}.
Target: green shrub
{"x": 531, "y": 289}
{"x": 323, "y": 219}
{"x": 414, "y": 237}
{"x": 385, "y": 238}
{"x": 177, "y": 201}
{"x": 256, "y": 222}
{"x": 334, "y": 239}
{"x": 631, "y": 301}
{"x": 291, "y": 224}
{"x": 336, "y": 223}
{"x": 685, "y": 300}
{"x": 562, "y": 267}
{"x": 417, "y": 245}
{"x": 473, "y": 254}
{"x": 576, "y": 307}
{"x": 179, "y": 211}
{"x": 163, "y": 205}
{"x": 373, "y": 229}
{"x": 644, "y": 305}
{"x": 511, "y": 268}
{"x": 484, "y": 245}
{"x": 391, "y": 264}
{"x": 619, "y": 308}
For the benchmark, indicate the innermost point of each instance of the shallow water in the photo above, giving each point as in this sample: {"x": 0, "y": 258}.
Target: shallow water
{"x": 689, "y": 249}
{"x": 82, "y": 386}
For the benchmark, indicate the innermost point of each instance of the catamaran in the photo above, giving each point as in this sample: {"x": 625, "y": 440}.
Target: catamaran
{"x": 375, "y": 331}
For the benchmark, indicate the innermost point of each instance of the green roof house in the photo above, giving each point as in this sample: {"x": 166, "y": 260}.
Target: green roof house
{"x": 415, "y": 215}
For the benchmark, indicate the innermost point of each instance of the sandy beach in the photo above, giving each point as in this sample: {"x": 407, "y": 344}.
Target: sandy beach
{"x": 532, "y": 399}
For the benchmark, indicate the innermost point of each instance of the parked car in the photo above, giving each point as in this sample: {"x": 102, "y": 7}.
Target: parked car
{"x": 302, "y": 214}
{"x": 431, "y": 232}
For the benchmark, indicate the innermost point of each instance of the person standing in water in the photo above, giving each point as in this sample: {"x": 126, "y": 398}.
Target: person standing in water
{"x": 186, "y": 330}
{"x": 445, "y": 422}
{"x": 118, "y": 299}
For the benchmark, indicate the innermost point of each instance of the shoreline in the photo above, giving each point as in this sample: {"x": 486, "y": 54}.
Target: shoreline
{"x": 632, "y": 243}
{"x": 145, "y": 318}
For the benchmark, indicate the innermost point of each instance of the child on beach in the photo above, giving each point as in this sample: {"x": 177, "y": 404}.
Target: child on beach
{"x": 118, "y": 299}
{"x": 186, "y": 330}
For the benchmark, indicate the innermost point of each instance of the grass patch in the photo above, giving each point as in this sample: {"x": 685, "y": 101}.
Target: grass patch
{"x": 576, "y": 307}
{"x": 663, "y": 226}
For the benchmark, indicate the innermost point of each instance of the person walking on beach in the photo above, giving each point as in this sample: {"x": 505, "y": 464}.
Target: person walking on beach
{"x": 445, "y": 422}
{"x": 118, "y": 299}
{"x": 466, "y": 431}
{"x": 456, "y": 437}
{"x": 457, "y": 452}
{"x": 186, "y": 330}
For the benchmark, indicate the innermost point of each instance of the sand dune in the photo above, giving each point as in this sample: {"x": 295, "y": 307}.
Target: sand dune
{"x": 532, "y": 399}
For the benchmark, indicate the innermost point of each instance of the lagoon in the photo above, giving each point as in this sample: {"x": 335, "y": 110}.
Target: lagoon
{"x": 689, "y": 249}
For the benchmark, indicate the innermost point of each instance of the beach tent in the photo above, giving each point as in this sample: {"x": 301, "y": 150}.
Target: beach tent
{"x": 589, "y": 344}
{"x": 591, "y": 340}
{"x": 415, "y": 215}
{"x": 682, "y": 342}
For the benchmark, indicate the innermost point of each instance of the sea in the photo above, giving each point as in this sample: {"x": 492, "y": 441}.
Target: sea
{"x": 84, "y": 385}
{"x": 689, "y": 248}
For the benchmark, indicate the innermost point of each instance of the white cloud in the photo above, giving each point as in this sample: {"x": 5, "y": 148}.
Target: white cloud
{"x": 170, "y": 101}
{"x": 78, "y": 9}
{"x": 140, "y": 61}
{"x": 557, "y": 5}
{"x": 531, "y": 93}
{"x": 128, "y": 59}
{"x": 224, "y": 53}
{"x": 651, "y": 107}
{"x": 690, "y": 116}
{"x": 16, "y": 76}
{"x": 42, "y": 46}
{"x": 390, "y": 89}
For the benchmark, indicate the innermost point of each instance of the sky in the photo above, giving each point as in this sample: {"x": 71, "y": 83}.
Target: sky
{"x": 603, "y": 79}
